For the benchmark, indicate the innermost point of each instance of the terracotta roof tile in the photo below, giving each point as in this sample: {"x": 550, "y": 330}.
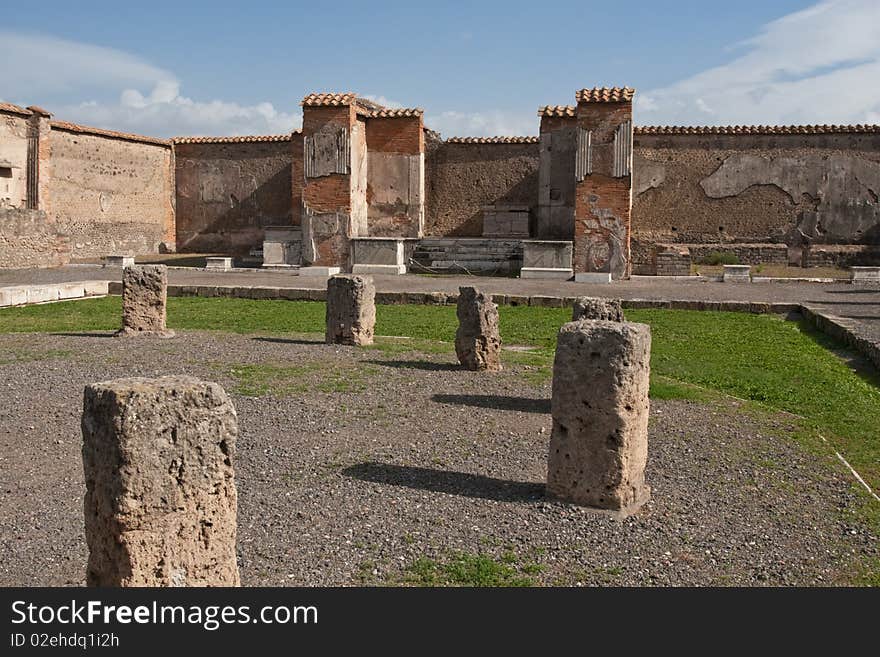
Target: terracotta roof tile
{"x": 328, "y": 100}
{"x": 397, "y": 113}
{"x": 112, "y": 134}
{"x": 244, "y": 139}
{"x": 493, "y": 140}
{"x": 14, "y": 109}
{"x": 36, "y": 109}
{"x": 605, "y": 95}
{"x": 756, "y": 130}
{"x": 558, "y": 110}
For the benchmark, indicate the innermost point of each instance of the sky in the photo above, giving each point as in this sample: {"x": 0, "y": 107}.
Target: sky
{"x": 477, "y": 68}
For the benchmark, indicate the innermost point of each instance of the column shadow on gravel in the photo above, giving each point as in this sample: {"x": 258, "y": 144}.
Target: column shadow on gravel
{"x": 288, "y": 340}
{"x": 418, "y": 365}
{"x": 445, "y": 481}
{"x": 111, "y": 334}
{"x": 497, "y": 402}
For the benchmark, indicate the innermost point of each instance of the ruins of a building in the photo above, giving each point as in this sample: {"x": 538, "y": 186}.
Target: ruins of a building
{"x": 370, "y": 189}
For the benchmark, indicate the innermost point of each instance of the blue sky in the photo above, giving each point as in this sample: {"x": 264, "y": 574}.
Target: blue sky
{"x": 478, "y": 68}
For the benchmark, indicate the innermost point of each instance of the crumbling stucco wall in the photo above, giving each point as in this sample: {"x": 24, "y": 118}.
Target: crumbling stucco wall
{"x": 109, "y": 195}
{"x": 13, "y": 160}
{"x": 464, "y": 177}
{"x": 395, "y": 176}
{"x": 757, "y": 188}
{"x": 229, "y": 191}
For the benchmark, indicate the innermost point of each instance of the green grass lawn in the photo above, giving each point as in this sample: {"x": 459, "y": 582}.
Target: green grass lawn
{"x": 783, "y": 365}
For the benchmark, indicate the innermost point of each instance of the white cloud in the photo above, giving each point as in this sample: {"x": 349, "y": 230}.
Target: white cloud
{"x": 128, "y": 93}
{"x": 818, "y": 65}
{"x": 482, "y": 124}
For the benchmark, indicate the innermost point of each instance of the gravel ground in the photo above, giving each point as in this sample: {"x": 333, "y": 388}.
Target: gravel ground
{"x": 369, "y": 460}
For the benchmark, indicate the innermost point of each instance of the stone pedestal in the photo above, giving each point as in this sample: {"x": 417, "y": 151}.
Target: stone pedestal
{"x": 477, "y": 341}
{"x": 144, "y": 296}
{"x": 160, "y": 504}
{"x": 351, "y": 309}
{"x": 871, "y": 274}
{"x": 547, "y": 259}
{"x": 597, "y": 309}
{"x": 215, "y": 263}
{"x": 378, "y": 255}
{"x": 737, "y": 274}
{"x": 599, "y": 443}
{"x": 282, "y": 247}
{"x": 118, "y": 261}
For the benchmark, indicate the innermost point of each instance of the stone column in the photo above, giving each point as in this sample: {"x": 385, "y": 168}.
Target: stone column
{"x": 597, "y": 309}
{"x": 144, "y": 296}
{"x": 599, "y": 443}
{"x": 477, "y": 340}
{"x": 351, "y": 309}
{"x": 160, "y": 504}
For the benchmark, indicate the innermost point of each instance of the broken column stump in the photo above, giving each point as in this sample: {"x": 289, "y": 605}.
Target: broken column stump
{"x": 144, "y": 297}
{"x": 599, "y": 443}
{"x": 351, "y": 309}
{"x": 160, "y": 504}
{"x": 477, "y": 340}
{"x": 597, "y": 309}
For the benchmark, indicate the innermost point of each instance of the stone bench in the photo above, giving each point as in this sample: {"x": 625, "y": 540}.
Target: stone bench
{"x": 737, "y": 274}
{"x": 865, "y": 274}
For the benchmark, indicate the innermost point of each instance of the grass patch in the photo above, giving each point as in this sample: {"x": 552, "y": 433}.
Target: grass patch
{"x": 475, "y": 570}
{"x": 263, "y": 379}
{"x": 783, "y": 365}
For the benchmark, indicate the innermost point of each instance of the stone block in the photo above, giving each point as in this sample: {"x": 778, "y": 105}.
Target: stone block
{"x": 160, "y": 502}
{"x": 388, "y": 270}
{"x": 282, "y": 246}
{"x": 144, "y": 297}
{"x": 865, "y": 274}
{"x": 13, "y": 296}
{"x": 351, "y": 310}
{"x": 316, "y": 271}
{"x": 545, "y": 254}
{"x": 546, "y": 273}
{"x": 477, "y": 340}
{"x": 592, "y": 277}
{"x": 118, "y": 261}
{"x": 597, "y": 309}
{"x": 377, "y": 251}
{"x": 737, "y": 274}
{"x": 96, "y": 288}
{"x": 218, "y": 263}
{"x": 599, "y": 442}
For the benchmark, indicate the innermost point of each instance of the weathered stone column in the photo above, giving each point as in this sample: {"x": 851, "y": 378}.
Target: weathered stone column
{"x": 599, "y": 443}
{"x": 477, "y": 340}
{"x": 144, "y": 297}
{"x": 160, "y": 504}
{"x": 351, "y": 309}
{"x": 597, "y": 309}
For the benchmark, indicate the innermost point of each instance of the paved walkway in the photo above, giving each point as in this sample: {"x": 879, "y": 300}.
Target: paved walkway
{"x": 856, "y": 305}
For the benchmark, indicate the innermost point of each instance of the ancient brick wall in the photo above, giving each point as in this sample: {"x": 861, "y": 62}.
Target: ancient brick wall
{"x": 229, "y": 189}
{"x": 108, "y": 194}
{"x": 603, "y": 198}
{"x": 395, "y": 175}
{"x": 713, "y": 188}
{"x": 462, "y": 177}
{"x": 28, "y": 238}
